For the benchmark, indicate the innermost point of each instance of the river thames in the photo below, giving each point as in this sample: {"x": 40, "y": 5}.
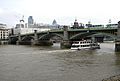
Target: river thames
{"x": 37, "y": 63}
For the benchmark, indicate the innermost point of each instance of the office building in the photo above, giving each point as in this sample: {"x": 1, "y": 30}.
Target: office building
{"x": 30, "y": 21}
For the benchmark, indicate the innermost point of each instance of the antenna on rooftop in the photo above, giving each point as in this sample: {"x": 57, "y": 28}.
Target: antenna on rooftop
{"x": 109, "y": 21}
{"x": 89, "y": 22}
{"x": 22, "y": 19}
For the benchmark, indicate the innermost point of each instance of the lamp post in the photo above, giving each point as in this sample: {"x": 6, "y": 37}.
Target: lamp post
{"x": 89, "y": 26}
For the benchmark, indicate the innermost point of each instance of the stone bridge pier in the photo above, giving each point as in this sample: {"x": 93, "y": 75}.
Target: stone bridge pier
{"x": 65, "y": 43}
{"x": 19, "y": 39}
{"x": 35, "y": 40}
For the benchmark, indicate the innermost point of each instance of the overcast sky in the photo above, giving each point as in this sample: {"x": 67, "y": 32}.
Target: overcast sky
{"x": 64, "y": 11}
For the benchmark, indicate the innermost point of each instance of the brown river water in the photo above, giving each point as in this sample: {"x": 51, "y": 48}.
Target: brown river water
{"x": 41, "y": 63}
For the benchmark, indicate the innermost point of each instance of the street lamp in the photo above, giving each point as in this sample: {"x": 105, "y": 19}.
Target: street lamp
{"x": 89, "y": 26}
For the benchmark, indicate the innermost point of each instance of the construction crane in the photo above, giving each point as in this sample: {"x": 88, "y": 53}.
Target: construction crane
{"x": 22, "y": 20}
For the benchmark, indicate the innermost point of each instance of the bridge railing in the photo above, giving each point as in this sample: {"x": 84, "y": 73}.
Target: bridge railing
{"x": 95, "y": 28}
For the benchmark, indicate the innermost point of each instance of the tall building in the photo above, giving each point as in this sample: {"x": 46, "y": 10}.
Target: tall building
{"x": 30, "y": 20}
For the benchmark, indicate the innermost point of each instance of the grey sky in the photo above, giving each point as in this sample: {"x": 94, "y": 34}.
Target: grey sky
{"x": 64, "y": 11}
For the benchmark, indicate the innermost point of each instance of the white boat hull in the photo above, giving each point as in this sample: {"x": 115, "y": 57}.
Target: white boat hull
{"x": 84, "y": 45}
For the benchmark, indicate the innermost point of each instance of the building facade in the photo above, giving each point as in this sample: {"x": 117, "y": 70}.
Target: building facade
{"x": 4, "y": 33}
{"x": 77, "y": 25}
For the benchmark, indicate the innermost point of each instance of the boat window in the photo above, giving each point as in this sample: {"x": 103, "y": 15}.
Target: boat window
{"x": 75, "y": 46}
{"x": 76, "y": 42}
{"x": 88, "y": 45}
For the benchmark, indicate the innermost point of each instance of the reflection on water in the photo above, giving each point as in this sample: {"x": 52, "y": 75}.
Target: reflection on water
{"x": 26, "y": 63}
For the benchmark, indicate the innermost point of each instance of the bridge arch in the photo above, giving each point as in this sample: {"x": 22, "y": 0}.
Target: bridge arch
{"x": 27, "y": 38}
{"x": 50, "y": 35}
{"x": 13, "y": 40}
{"x": 106, "y": 34}
{"x": 86, "y": 34}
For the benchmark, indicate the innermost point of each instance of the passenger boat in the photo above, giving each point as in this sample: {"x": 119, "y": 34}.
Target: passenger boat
{"x": 85, "y": 44}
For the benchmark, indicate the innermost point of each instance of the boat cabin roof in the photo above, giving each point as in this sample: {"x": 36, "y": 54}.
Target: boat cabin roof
{"x": 84, "y": 41}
